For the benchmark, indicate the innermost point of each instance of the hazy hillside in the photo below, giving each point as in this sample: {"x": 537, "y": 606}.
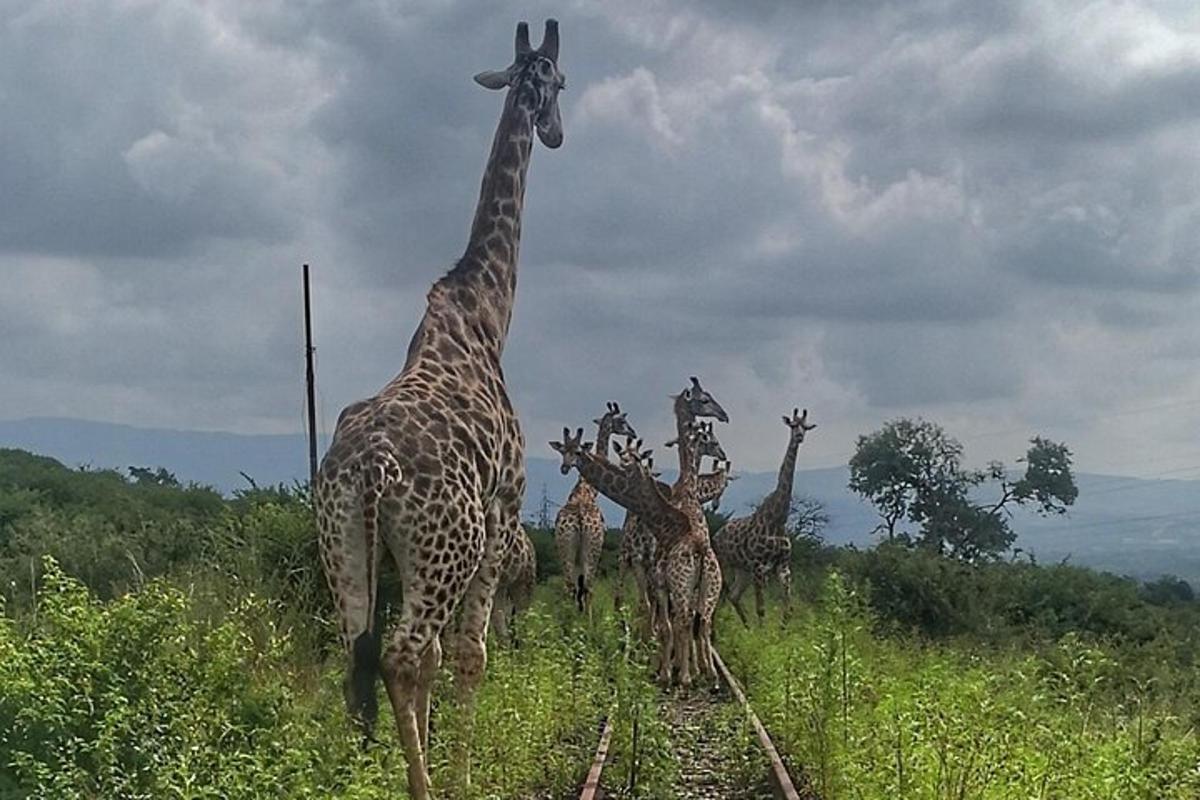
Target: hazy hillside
{"x": 1138, "y": 527}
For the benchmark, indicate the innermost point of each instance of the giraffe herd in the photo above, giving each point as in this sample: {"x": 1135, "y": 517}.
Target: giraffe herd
{"x": 678, "y": 567}
{"x": 430, "y": 471}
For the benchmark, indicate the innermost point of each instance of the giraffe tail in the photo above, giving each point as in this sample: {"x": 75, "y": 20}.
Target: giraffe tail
{"x": 380, "y": 469}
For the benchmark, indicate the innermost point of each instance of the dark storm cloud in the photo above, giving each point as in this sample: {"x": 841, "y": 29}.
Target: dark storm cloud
{"x": 139, "y": 129}
{"x": 878, "y": 207}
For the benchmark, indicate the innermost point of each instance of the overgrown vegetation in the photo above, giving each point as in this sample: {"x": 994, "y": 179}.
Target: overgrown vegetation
{"x": 888, "y": 716}
{"x": 158, "y": 640}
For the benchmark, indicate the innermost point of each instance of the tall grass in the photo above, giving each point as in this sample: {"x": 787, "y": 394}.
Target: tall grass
{"x": 876, "y": 717}
{"x": 144, "y": 697}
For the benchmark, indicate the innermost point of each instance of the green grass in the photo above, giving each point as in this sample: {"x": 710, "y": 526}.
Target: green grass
{"x": 882, "y": 717}
{"x": 143, "y": 696}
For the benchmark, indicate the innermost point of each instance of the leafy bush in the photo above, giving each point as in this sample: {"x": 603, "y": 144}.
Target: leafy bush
{"x": 145, "y": 697}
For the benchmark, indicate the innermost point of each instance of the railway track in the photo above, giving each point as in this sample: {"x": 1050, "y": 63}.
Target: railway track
{"x": 699, "y": 720}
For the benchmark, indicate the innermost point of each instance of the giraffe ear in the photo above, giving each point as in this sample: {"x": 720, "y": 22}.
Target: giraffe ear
{"x": 495, "y": 79}
{"x": 787, "y": 421}
{"x": 557, "y": 446}
{"x": 587, "y": 447}
{"x": 599, "y": 420}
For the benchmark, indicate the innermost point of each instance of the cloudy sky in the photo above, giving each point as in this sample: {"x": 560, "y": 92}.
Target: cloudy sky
{"x": 987, "y": 214}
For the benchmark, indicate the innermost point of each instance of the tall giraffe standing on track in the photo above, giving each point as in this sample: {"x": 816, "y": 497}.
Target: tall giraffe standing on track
{"x": 757, "y": 546}
{"x": 579, "y": 525}
{"x": 687, "y": 574}
{"x": 434, "y": 465}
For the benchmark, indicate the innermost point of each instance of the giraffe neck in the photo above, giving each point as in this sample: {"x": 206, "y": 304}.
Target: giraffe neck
{"x": 636, "y": 493}
{"x": 711, "y": 485}
{"x": 488, "y": 268}
{"x": 689, "y": 463}
{"x": 778, "y": 503}
{"x": 603, "y": 434}
{"x": 583, "y": 490}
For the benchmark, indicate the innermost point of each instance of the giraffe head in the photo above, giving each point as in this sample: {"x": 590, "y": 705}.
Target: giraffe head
{"x": 615, "y": 420}
{"x": 633, "y": 456}
{"x": 535, "y": 77}
{"x": 799, "y": 424}
{"x": 702, "y": 404}
{"x": 704, "y": 442}
{"x": 572, "y": 449}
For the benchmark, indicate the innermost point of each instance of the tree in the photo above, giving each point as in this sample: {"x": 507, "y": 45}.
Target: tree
{"x": 912, "y": 470}
{"x": 808, "y": 518}
{"x": 146, "y": 476}
{"x": 903, "y": 467}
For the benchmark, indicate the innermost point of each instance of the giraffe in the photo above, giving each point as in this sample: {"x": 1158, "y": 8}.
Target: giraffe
{"x": 579, "y": 525}
{"x": 638, "y": 546}
{"x": 709, "y": 487}
{"x": 514, "y": 592}
{"x": 637, "y": 542}
{"x": 754, "y": 546}
{"x": 687, "y": 573}
{"x": 431, "y": 469}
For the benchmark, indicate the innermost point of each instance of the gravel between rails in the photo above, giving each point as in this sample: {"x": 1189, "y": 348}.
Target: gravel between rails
{"x": 707, "y": 744}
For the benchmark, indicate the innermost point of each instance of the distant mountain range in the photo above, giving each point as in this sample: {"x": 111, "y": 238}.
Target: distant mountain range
{"x": 1132, "y": 526}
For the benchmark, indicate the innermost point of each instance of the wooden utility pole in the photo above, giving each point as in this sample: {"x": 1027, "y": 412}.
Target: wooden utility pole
{"x": 310, "y": 379}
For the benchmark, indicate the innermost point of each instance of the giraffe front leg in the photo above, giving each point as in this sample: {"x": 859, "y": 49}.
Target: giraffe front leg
{"x": 645, "y": 601}
{"x": 785, "y": 580}
{"x": 735, "y": 595}
{"x": 760, "y": 582}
